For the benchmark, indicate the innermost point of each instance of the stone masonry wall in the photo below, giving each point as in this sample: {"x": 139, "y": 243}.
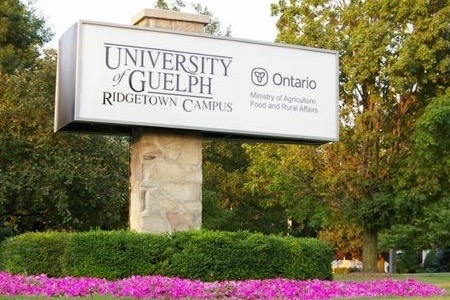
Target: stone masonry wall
{"x": 166, "y": 172}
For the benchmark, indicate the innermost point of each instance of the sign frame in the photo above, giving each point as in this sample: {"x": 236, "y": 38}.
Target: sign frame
{"x": 71, "y": 86}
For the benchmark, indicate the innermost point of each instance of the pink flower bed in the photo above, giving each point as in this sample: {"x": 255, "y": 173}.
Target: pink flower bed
{"x": 159, "y": 287}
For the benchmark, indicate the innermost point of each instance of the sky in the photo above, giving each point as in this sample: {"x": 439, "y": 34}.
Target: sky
{"x": 249, "y": 19}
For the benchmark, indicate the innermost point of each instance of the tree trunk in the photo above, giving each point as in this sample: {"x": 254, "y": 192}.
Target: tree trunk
{"x": 392, "y": 261}
{"x": 370, "y": 250}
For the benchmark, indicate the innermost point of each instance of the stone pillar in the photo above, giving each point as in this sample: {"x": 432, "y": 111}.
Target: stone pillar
{"x": 166, "y": 166}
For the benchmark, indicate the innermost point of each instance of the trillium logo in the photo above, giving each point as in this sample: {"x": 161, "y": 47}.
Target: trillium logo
{"x": 260, "y": 76}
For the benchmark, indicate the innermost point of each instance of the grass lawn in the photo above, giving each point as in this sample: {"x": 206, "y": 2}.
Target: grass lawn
{"x": 441, "y": 280}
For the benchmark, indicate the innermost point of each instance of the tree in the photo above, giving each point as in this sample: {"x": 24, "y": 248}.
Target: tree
{"x": 428, "y": 179}
{"x": 430, "y": 158}
{"x": 47, "y": 180}
{"x": 223, "y": 167}
{"x": 285, "y": 176}
{"x": 177, "y": 6}
{"x": 393, "y": 60}
{"x": 346, "y": 239}
{"x": 55, "y": 181}
{"x": 227, "y": 203}
{"x": 21, "y": 35}
{"x": 214, "y": 26}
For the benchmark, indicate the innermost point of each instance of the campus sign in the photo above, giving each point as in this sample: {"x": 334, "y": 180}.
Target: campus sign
{"x": 113, "y": 77}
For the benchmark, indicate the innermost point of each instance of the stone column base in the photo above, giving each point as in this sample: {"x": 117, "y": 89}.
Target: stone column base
{"x": 166, "y": 181}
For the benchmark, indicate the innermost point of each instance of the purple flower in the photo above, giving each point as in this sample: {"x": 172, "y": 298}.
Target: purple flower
{"x": 159, "y": 287}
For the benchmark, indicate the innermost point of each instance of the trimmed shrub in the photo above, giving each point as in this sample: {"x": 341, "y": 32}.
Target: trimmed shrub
{"x": 116, "y": 254}
{"x": 309, "y": 258}
{"x": 204, "y": 255}
{"x": 212, "y": 256}
{"x": 34, "y": 253}
{"x": 224, "y": 255}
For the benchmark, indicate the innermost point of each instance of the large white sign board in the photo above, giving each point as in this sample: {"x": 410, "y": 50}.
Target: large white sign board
{"x": 111, "y": 76}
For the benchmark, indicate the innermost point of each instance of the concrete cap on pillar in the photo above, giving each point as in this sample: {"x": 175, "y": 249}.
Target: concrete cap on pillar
{"x": 169, "y": 19}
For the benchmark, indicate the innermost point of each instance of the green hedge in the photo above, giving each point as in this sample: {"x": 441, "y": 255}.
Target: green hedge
{"x": 242, "y": 255}
{"x": 223, "y": 255}
{"x": 204, "y": 255}
{"x": 116, "y": 254}
{"x": 34, "y": 253}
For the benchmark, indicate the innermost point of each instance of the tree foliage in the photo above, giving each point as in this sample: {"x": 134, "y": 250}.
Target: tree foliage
{"x": 428, "y": 178}
{"x": 178, "y": 5}
{"x": 21, "y": 35}
{"x": 47, "y": 180}
{"x": 346, "y": 239}
{"x": 228, "y": 204}
{"x": 214, "y": 27}
{"x": 55, "y": 181}
{"x": 393, "y": 60}
{"x": 430, "y": 162}
{"x": 430, "y": 158}
{"x": 286, "y": 176}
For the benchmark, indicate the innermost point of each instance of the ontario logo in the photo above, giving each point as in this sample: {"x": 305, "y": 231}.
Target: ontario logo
{"x": 259, "y": 76}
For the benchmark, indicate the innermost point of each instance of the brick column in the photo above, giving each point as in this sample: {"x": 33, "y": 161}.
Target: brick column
{"x": 166, "y": 167}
